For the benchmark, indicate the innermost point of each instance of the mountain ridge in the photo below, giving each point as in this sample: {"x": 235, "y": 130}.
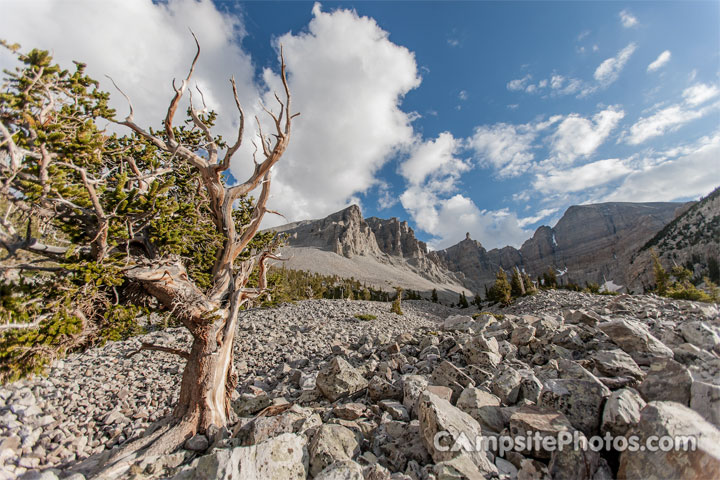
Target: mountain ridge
{"x": 589, "y": 243}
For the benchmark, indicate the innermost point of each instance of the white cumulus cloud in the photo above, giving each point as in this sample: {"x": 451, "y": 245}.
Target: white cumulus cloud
{"x": 519, "y": 83}
{"x": 627, "y": 19}
{"x": 577, "y": 136}
{"x": 449, "y": 219}
{"x": 685, "y": 176}
{"x": 544, "y": 213}
{"x": 505, "y": 147}
{"x": 660, "y": 61}
{"x": 674, "y": 116}
{"x": 581, "y": 178}
{"x": 700, "y": 93}
{"x": 434, "y": 160}
{"x": 142, "y": 45}
{"x": 347, "y": 79}
{"x": 609, "y": 70}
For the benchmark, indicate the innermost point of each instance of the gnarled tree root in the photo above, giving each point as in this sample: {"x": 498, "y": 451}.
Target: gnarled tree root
{"x": 164, "y": 437}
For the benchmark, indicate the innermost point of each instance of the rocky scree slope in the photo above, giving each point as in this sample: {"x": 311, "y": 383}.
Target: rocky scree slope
{"x": 382, "y": 253}
{"x": 590, "y": 243}
{"x": 327, "y": 396}
{"x": 692, "y": 237}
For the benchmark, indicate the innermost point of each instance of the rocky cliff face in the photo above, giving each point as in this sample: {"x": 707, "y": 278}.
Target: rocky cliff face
{"x": 477, "y": 266}
{"x": 691, "y": 239}
{"x": 396, "y": 238}
{"x": 383, "y": 253}
{"x": 594, "y": 243}
{"x": 590, "y": 243}
{"x": 345, "y": 233}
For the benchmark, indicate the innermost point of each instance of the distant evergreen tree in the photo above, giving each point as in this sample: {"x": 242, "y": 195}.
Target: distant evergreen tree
{"x": 462, "y": 301}
{"x": 528, "y": 283}
{"x": 661, "y": 276}
{"x": 501, "y": 291}
{"x": 477, "y": 301}
{"x": 517, "y": 288}
{"x": 396, "y": 304}
{"x": 550, "y": 278}
{"x": 434, "y": 296}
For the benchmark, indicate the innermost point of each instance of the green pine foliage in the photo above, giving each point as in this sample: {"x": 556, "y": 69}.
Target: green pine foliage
{"x": 434, "y": 296}
{"x": 463, "y": 301}
{"x": 529, "y": 285}
{"x": 500, "y": 292}
{"x": 549, "y": 278}
{"x": 678, "y": 283}
{"x": 477, "y": 300}
{"x": 517, "y": 287}
{"x": 152, "y": 207}
{"x": 396, "y": 306}
{"x": 286, "y": 285}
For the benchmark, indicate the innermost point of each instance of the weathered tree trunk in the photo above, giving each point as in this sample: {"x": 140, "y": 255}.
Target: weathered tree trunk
{"x": 211, "y": 317}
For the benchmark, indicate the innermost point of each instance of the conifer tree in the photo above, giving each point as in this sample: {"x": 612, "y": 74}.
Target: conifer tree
{"x": 396, "y": 306}
{"x": 501, "y": 291}
{"x": 528, "y": 284}
{"x": 477, "y": 301}
{"x": 462, "y": 301}
{"x": 661, "y": 276}
{"x": 516, "y": 284}
{"x": 434, "y": 296}
{"x": 111, "y": 227}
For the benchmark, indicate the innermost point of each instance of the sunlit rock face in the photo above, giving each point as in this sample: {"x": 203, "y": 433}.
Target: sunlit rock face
{"x": 590, "y": 243}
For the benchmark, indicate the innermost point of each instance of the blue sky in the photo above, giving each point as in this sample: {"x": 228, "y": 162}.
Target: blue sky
{"x": 483, "y": 117}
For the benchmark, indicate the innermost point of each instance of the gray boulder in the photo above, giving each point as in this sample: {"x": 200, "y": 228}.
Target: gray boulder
{"x": 339, "y": 379}
{"x": 635, "y": 340}
{"x": 622, "y": 411}
{"x": 616, "y": 363}
{"x": 284, "y": 456}
{"x": 705, "y": 399}
{"x": 580, "y": 400}
{"x": 701, "y": 334}
{"x": 341, "y": 470}
{"x": 331, "y": 443}
{"x": 671, "y": 419}
{"x": 483, "y": 407}
{"x": 667, "y": 380}
{"x": 529, "y": 421}
{"x": 436, "y": 416}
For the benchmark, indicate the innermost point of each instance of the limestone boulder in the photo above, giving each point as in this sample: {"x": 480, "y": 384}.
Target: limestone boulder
{"x": 701, "y": 334}
{"x": 529, "y": 421}
{"x": 622, "y": 411}
{"x": 331, "y": 443}
{"x": 339, "y": 379}
{"x": 671, "y": 419}
{"x": 667, "y": 380}
{"x": 284, "y": 456}
{"x": 483, "y": 407}
{"x": 438, "y": 416}
{"x": 580, "y": 400}
{"x": 616, "y": 363}
{"x": 635, "y": 340}
{"x": 705, "y": 399}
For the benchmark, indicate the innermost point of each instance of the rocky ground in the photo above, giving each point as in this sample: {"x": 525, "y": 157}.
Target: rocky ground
{"x": 325, "y": 395}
